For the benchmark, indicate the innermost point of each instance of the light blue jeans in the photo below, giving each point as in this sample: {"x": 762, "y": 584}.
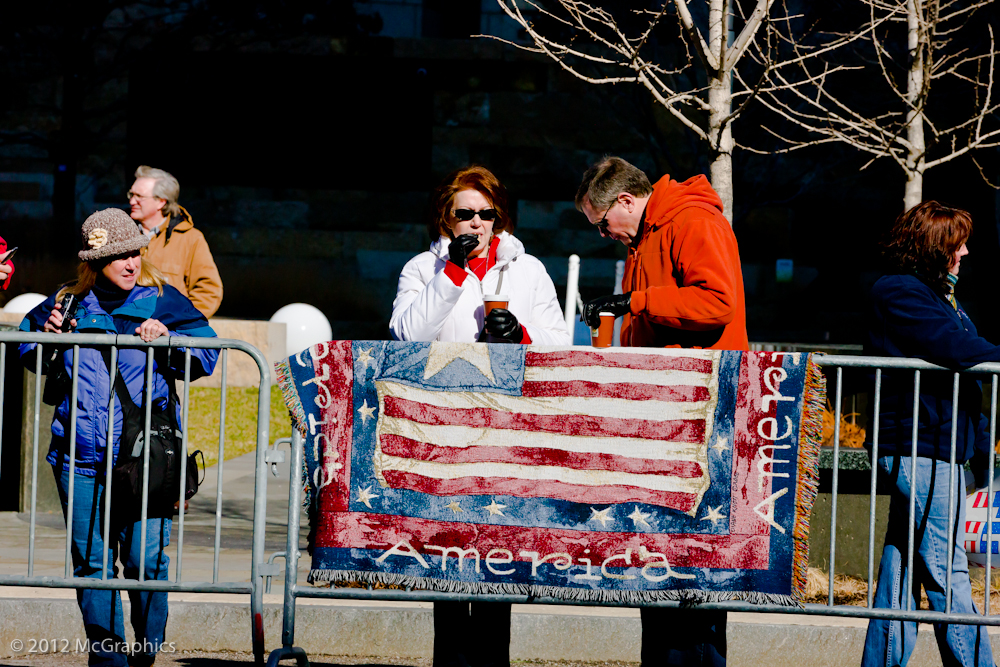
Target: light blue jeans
{"x": 890, "y": 643}
{"x": 102, "y": 609}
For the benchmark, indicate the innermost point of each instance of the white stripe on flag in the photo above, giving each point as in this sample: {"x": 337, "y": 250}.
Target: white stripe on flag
{"x": 465, "y": 436}
{"x": 605, "y": 375}
{"x": 711, "y": 355}
{"x": 432, "y": 470}
{"x": 559, "y": 405}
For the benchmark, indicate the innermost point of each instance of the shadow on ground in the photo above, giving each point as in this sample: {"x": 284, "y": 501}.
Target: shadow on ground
{"x": 241, "y": 660}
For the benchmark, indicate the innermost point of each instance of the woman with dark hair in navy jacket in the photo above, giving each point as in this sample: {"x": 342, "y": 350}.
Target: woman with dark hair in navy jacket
{"x": 914, "y": 314}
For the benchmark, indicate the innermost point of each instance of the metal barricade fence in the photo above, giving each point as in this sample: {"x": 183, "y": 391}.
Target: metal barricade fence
{"x": 831, "y": 364}
{"x": 76, "y": 341}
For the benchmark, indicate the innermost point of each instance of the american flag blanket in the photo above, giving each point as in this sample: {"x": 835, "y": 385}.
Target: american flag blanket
{"x": 619, "y": 474}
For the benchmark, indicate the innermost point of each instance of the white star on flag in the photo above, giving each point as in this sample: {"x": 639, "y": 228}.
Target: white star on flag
{"x": 442, "y": 354}
{"x": 601, "y": 516}
{"x": 454, "y": 506}
{"x": 639, "y": 518}
{"x": 714, "y": 515}
{"x": 366, "y": 412}
{"x": 365, "y": 357}
{"x": 494, "y": 507}
{"x": 721, "y": 445}
{"x": 366, "y": 496}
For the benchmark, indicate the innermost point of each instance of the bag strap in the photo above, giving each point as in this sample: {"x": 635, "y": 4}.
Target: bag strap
{"x": 128, "y": 405}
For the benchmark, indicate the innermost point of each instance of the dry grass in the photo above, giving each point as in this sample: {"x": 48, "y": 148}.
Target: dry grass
{"x": 846, "y": 590}
{"x": 851, "y": 435}
{"x": 853, "y": 591}
{"x": 241, "y": 421}
{"x": 375, "y": 586}
{"x": 977, "y": 575}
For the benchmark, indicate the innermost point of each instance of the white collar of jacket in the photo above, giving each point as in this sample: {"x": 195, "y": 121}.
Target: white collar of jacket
{"x": 508, "y": 249}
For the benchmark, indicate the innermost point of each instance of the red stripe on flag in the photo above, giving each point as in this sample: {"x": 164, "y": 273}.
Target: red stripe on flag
{"x": 528, "y": 488}
{"x": 674, "y": 430}
{"x": 645, "y": 362}
{"x": 362, "y": 530}
{"x": 635, "y": 392}
{"x": 338, "y": 416}
{"x": 407, "y": 448}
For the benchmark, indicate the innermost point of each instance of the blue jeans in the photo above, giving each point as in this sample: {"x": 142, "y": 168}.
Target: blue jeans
{"x": 890, "y": 643}
{"x": 102, "y": 609}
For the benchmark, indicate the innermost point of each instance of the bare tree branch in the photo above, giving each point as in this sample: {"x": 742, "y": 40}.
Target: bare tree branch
{"x": 705, "y": 54}
{"x": 912, "y": 48}
{"x": 748, "y": 33}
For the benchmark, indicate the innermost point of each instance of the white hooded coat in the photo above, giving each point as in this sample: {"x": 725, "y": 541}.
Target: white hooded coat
{"x": 430, "y": 307}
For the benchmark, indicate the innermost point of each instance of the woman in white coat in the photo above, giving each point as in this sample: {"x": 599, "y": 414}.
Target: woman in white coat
{"x": 440, "y": 298}
{"x": 440, "y": 293}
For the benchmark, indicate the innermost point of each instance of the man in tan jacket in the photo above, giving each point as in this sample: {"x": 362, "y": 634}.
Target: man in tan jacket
{"x": 176, "y": 248}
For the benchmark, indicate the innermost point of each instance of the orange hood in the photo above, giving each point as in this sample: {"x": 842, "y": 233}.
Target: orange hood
{"x": 684, "y": 273}
{"x": 670, "y": 196}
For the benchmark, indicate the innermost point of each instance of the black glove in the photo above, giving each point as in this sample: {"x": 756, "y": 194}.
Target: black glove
{"x": 619, "y": 304}
{"x": 461, "y": 246}
{"x": 501, "y": 323}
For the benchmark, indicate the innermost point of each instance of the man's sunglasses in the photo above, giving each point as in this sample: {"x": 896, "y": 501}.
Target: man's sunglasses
{"x": 466, "y": 214}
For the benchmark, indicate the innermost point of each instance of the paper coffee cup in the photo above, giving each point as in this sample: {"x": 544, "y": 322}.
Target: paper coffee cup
{"x": 602, "y": 336}
{"x": 491, "y": 301}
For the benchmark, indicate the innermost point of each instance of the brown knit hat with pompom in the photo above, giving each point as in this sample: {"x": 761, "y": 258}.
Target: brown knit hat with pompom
{"x": 110, "y": 233}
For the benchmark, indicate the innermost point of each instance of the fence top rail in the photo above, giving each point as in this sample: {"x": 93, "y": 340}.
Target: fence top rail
{"x": 121, "y": 340}
{"x": 847, "y": 361}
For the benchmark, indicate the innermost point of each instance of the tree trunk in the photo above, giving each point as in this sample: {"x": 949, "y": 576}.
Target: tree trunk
{"x": 914, "y": 193}
{"x": 720, "y": 101}
{"x": 721, "y": 169}
{"x": 915, "y": 97}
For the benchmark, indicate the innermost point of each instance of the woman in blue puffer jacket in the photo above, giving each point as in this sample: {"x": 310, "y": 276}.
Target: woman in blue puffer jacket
{"x": 118, "y": 294}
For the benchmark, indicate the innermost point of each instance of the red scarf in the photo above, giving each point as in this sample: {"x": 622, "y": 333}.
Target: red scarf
{"x": 480, "y": 265}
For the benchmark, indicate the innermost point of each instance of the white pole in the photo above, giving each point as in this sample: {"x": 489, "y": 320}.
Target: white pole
{"x": 619, "y": 275}
{"x": 572, "y": 293}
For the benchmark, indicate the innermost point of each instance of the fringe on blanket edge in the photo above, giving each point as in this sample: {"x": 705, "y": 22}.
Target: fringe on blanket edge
{"x": 289, "y": 394}
{"x": 810, "y": 441}
{"x": 293, "y": 402}
{"x": 684, "y": 596}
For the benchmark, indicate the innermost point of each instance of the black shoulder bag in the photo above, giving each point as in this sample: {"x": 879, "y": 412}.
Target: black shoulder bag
{"x": 164, "y": 457}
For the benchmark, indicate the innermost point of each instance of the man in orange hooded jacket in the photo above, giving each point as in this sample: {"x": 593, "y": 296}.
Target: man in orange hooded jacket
{"x": 682, "y": 287}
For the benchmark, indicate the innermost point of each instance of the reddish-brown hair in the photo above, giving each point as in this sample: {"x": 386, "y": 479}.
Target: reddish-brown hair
{"x": 473, "y": 177}
{"x": 924, "y": 240}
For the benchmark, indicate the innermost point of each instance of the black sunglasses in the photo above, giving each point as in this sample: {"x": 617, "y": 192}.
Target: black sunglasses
{"x": 466, "y": 214}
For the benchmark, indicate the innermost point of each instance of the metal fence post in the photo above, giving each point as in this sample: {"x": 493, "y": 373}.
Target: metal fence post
{"x": 260, "y": 507}
{"x": 288, "y": 650}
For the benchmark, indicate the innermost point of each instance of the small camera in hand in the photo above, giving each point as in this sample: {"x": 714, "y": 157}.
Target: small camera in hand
{"x": 58, "y": 381}
{"x": 67, "y": 306}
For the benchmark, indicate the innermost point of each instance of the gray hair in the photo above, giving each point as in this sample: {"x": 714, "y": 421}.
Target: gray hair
{"x": 608, "y": 178}
{"x": 165, "y": 187}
